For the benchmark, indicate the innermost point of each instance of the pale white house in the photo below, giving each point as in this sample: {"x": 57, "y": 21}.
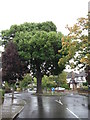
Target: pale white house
{"x": 76, "y": 79}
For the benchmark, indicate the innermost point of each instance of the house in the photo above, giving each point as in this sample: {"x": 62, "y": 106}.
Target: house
{"x": 76, "y": 80}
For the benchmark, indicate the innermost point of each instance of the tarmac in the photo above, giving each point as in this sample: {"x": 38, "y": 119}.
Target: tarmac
{"x": 11, "y": 107}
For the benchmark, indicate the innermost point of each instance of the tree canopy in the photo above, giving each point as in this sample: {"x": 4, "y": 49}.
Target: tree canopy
{"x": 69, "y": 48}
{"x": 11, "y": 64}
{"x": 38, "y": 45}
{"x": 79, "y": 32}
{"x": 48, "y": 82}
{"x": 27, "y": 80}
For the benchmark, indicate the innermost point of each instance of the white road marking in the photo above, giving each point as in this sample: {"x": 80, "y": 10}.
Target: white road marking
{"x": 73, "y": 113}
{"x": 59, "y": 102}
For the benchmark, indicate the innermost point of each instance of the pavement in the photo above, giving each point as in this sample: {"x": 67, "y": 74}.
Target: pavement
{"x": 68, "y": 106}
{"x": 11, "y": 107}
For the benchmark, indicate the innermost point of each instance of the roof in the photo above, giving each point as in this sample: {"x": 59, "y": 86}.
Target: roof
{"x": 81, "y": 74}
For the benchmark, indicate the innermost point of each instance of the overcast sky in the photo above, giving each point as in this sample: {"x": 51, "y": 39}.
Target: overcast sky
{"x": 61, "y": 12}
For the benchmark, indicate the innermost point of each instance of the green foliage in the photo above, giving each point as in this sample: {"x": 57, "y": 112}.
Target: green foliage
{"x": 78, "y": 33}
{"x": 38, "y": 45}
{"x": 48, "y": 82}
{"x": 68, "y": 50}
{"x": 66, "y": 86}
{"x": 54, "y": 81}
{"x": 36, "y": 42}
{"x": 85, "y": 84}
{"x": 0, "y": 42}
{"x": 2, "y": 92}
{"x": 85, "y": 87}
{"x": 62, "y": 79}
{"x": 27, "y": 28}
{"x": 13, "y": 85}
{"x": 44, "y": 81}
{"x": 26, "y": 81}
{"x": 7, "y": 86}
{"x": 35, "y": 80}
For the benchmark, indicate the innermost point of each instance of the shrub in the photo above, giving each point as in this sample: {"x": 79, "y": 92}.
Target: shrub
{"x": 85, "y": 87}
{"x": 25, "y": 82}
{"x": 2, "y": 95}
{"x": 66, "y": 86}
{"x": 18, "y": 89}
{"x": 6, "y": 87}
{"x": 85, "y": 84}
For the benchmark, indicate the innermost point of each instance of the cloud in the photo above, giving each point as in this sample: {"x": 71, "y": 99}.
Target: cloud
{"x": 61, "y": 12}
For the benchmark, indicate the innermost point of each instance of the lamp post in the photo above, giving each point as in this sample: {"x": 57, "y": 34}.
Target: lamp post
{"x": 17, "y": 84}
{"x": 12, "y": 93}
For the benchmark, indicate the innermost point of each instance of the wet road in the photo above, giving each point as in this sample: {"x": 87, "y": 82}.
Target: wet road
{"x": 69, "y": 106}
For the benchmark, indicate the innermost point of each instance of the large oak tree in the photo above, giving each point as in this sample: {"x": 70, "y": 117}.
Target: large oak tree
{"x": 38, "y": 45}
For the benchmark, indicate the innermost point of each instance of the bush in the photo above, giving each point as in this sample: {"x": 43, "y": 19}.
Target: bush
{"x": 2, "y": 92}
{"x": 85, "y": 84}
{"x": 18, "y": 89}
{"x": 6, "y": 87}
{"x": 66, "y": 86}
{"x": 2, "y": 95}
{"x": 25, "y": 82}
{"x": 85, "y": 87}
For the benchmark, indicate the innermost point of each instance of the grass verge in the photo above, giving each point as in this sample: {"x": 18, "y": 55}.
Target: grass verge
{"x": 50, "y": 94}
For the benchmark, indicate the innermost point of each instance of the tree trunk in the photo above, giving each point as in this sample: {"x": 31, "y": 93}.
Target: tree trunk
{"x": 39, "y": 81}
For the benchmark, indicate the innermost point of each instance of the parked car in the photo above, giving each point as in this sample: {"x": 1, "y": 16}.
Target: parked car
{"x": 59, "y": 89}
{"x": 29, "y": 89}
{"x": 34, "y": 89}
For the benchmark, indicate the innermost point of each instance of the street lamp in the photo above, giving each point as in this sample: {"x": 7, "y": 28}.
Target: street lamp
{"x": 17, "y": 84}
